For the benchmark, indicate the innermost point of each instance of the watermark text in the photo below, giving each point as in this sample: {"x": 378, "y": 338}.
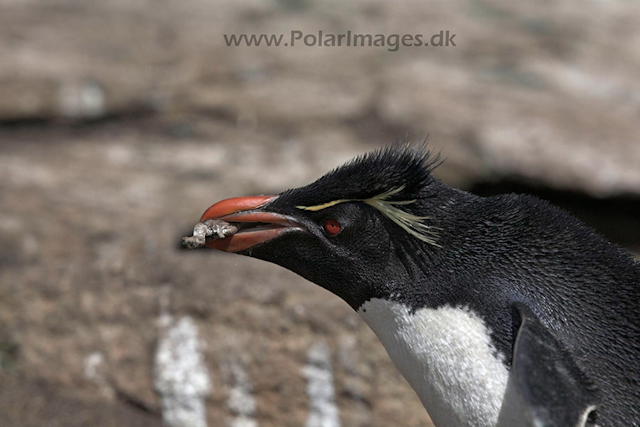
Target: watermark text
{"x": 392, "y": 42}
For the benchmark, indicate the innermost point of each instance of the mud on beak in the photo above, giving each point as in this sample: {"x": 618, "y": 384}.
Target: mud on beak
{"x": 255, "y": 225}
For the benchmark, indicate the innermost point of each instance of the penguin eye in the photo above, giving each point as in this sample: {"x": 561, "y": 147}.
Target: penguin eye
{"x": 332, "y": 227}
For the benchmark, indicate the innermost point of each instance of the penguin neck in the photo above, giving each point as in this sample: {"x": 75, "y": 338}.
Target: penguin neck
{"x": 446, "y": 355}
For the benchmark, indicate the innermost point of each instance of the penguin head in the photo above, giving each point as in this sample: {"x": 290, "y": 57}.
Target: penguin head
{"x": 358, "y": 231}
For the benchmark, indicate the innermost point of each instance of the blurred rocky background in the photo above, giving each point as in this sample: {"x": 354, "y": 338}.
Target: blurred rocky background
{"x": 121, "y": 121}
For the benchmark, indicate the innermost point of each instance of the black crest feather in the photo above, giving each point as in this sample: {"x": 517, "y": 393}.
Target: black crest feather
{"x": 401, "y": 165}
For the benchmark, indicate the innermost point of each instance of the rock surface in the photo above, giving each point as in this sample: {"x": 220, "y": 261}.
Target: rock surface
{"x": 544, "y": 93}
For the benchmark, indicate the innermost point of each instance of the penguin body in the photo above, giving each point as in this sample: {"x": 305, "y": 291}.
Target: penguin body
{"x": 483, "y": 304}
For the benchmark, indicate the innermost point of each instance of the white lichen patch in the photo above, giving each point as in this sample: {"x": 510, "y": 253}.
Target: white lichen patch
{"x": 94, "y": 368}
{"x": 241, "y": 401}
{"x": 323, "y": 411}
{"x": 82, "y": 100}
{"x": 180, "y": 376}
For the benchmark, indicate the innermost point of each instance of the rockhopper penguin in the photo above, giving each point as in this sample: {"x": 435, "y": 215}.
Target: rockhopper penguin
{"x": 500, "y": 311}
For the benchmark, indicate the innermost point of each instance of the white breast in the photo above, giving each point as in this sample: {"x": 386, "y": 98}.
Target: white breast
{"x": 447, "y": 357}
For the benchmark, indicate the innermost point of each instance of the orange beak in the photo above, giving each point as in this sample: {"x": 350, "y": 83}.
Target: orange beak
{"x": 253, "y": 227}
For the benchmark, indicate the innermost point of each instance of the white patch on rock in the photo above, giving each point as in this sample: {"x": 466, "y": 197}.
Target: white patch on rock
{"x": 83, "y": 100}
{"x": 94, "y": 368}
{"x": 241, "y": 402}
{"x": 323, "y": 411}
{"x": 353, "y": 380}
{"x": 92, "y": 364}
{"x": 181, "y": 378}
{"x": 447, "y": 356}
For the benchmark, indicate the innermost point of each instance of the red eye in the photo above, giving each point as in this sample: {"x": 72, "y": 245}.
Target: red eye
{"x": 332, "y": 227}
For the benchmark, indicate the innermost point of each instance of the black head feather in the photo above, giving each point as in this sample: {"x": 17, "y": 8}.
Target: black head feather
{"x": 369, "y": 175}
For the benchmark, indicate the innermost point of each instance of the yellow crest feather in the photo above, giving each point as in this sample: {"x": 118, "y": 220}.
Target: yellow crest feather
{"x": 412, "y": 224}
